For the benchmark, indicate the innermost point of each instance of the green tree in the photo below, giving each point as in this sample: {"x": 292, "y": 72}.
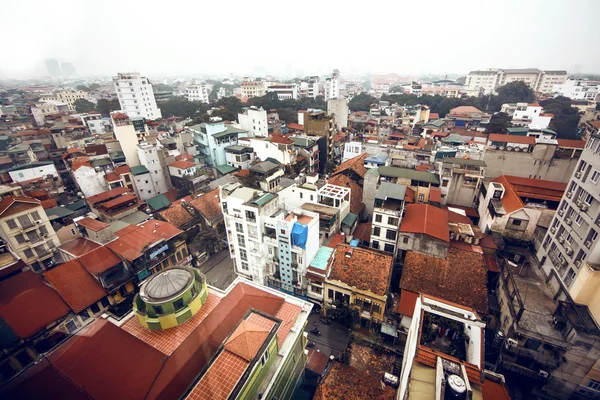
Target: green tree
{"x": 161, "y": 87}
{"x": 396, "y": 89}
{"x": 515, "y": 92}
{"x": 104, "y": 106}
{"x": 362, "y": 102}
{"x": 499, "y": 123}
{"x": 94, "y": 86}
{"x": 181, "y": 107}
{"x": 566, "y": 118}
{"x": 82, "y": 87}
{"x": 83, "y": 106}
{"x": 288, "y": 115}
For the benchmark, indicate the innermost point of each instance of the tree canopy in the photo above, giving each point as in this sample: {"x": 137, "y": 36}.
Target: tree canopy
{"x": 82, "y": 87}
{"x": 104, "y": 106}
{"x": 83, "y": 106}
{"x": 515, "y": 92}
{"x": 499, "y": 123}
{"x": 362, "y": 102}
{"x": 181, "y": 107}
{"x": 566, "y": 118}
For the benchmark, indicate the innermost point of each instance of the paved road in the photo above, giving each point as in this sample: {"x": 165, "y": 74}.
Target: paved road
{"x": 218, "y": 270}
{"x": 334, "y": 337}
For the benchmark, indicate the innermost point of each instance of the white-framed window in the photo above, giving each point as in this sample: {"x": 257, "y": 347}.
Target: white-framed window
{"x": 264, "y": 358}
{"x": 593, "y": 384}
{"x": 578, "y": 219}
{"x": 244, "y": 266}
{"x": 595, "y": 176}
{"x": 588, "y": 199}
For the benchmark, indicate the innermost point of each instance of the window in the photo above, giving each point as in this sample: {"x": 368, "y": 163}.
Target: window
{"x": 71, "y": 326}
{"x": 516, "y": 222}
{"x": 390, "y": 234}
{"x": 330, "y": 294}
{"x": 421, "y": 198}
{"x": 105, "y": 303}
{"x": 244, "y": 266}
{"x": 593, "y": 384}
{"x": 316, "y": 289}
{"x": 28, "y": 253}
{"x": 532, "y": 344}
{"x": 377, "y": 217}
{"x": 375, "y": 244}
{"x": 405, "y": 239}
{"x": 376, "y": 308}
{"x": 158, "y": 309}
{"x": 578, "y": 219}
{"x": 241, "y": 241}
{"x": 445, "y": 183}
{"x": 393, "y": 221}
{"x": 358, "y": 302}
{"x": 239, "y": 227}
{"x": 588, "y": 199}
{"x": 376, "y": 231}
{"x": 264, "y": 358}
{"x": 178, "y": 304}
{"x": 20, "y": 238}
{"x": 11, "y": 223}
{"x": 23, "y": 358}
{"x": 389, "y": 248}
{"x": 243, "y": 255}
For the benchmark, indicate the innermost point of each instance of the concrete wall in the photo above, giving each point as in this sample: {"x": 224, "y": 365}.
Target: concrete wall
{"x": 89, "y": 181}
{"x": 459, "y": 193}
{"x": 424, "y": 244}
{"x": 339, "y": 109}
{"x": 65, "y": 233}
{"x": 39, "y": 171}
{"x": 144, "y": 186}
{"x": 586, "y": 289}
{"x": 127, "y": 137}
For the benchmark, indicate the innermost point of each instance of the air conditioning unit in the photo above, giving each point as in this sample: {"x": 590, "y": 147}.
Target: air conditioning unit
{"x": 578, "y": 203}
{"x": 583, "y": 207}
{"x": 598, "y": 222}
{"x": 568, "y": 221}
{"x": 577, "y": 174}
{"x": 39, "y": 221}
{"x": 578, "y": 263}
{"x": 563, "y": 262}
{"x": 569, "y": 251}
{"x": 553, "y": 230}
{"x": 569, "y": 194}
{"x": 561, "y": 240}
{"x": 543, "y": 374}
{"x": 561, "y": 212}
{"x": 588, "y": 243}
{"x": 510, "y": 343}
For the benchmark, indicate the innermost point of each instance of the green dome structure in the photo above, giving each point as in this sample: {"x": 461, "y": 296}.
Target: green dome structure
{"x": 170, "y": 298}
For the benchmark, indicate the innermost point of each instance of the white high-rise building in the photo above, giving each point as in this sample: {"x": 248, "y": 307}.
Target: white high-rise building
{"x": 570, "y": 252}
{"x": 198, "y": 92}
{"x": 332, "y": 85}
{"x": 136, "y": 96}
{"x": 578, "y": 89}
{"x": 487, "y": 81}
{"x": 254, "y": 120}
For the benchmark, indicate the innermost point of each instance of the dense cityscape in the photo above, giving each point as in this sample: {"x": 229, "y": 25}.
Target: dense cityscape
{"x": 339, "y": 235}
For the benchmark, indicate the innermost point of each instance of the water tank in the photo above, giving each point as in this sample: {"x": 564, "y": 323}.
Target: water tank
{"x": 455, "y": 388}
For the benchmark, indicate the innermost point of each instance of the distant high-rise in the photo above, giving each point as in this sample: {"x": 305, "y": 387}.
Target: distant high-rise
{"x": 68, "y": 70}
{"x": 136, "y": 96}
{"x": 53, "y": 67}
{"x": 332, "y": 85}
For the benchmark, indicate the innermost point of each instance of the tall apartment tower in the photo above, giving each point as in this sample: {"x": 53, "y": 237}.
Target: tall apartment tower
{"x": 198, "y": 92}
{"x": 570, "y": 251}
{"x": 332, "y": 85}
{"x": 136, "y": 96}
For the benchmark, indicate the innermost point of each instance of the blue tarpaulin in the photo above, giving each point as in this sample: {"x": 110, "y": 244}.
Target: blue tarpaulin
{"x": 299, "y": 235}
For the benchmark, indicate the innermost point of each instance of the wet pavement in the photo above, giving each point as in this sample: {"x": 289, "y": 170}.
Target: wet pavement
{"x": 219, "y": 270}
{"x": 333, "y": 339}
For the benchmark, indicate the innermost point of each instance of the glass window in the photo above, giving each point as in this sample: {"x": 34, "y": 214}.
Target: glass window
{"x": 392, "y": 221}
{"x": 178, "y": 304}
{"x": 593, "y": 384}
{"x": 158, "y": 310}
{"x": 375, "y": 244}
{"x": 330, "y": 293}
{"x": 11, "y": 223}
{"x": 35, "y": 215}
{"x": 390, "y": 234}
{"x": 377, "y": 217}
{"x": 376, "y": 231}
{"x": 389, "y": 248}
{"x": 28, "y": 253}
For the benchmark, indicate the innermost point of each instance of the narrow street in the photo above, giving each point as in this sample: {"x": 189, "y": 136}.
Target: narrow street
{"x": 218, "y": 270}
{"x": 333, "y": 339}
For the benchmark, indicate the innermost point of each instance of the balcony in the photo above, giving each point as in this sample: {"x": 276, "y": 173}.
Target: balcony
{"x": 547, "y": 358}
{"x": 116, "y": 278}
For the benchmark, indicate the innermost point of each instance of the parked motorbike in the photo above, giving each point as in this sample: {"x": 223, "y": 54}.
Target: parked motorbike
{"x": 310, "y": 344}
{"x": 325, "y": 321}
{"x": 315, "y": 332}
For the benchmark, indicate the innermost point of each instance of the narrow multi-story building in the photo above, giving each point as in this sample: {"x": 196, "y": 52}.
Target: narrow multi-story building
{"x": 387, "y": 216}
{"x": 254, "y": 120}
{"x": 151, "y": 156}
{"x": 136, "y": 96}
{"x": 197, "y": 92}
{"x": 570, "y": 252}
{"x": 129, "y": 132}
{"x": 332, "y": 85}
{"x": 213, "y": 137}
{"x": 338, "y": 109}
{"x": 461, "y": 180}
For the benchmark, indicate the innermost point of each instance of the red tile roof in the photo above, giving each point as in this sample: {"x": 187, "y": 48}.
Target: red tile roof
{"x": 119, "y": 201}
{"x": 109, "y": 194}
{"x": 424, "y": 167}
{"x": 242, "y": 173}
{"x": 316, "y": 362}
{"x": 433, "y": 116}
{"x": 37, "y": 132}
{"x": 246, "y": 340}
{"x": 171, "y": 195}
{"x": 75, "y": 285}
{"x": 494, "y": 391}
{"x": 84, "y": 367}
{"x": 571, "y": 143}
{"x": 435, "y": 195}
{"x": 491, "y": 263}
{"x": 72, "y": 150}
{"x": 27, "y": 304}
{"x": 124, "y": 169}
{"x": 182, "y": 164}
{"x": 111, "y": 177}
{"x": 295, "y": 126}
{"x": 426, "y": 219}
{"x": 503, "y": 138}
{"x": 356, "y": 164}
{"x": 79, "y": 246}
{"x": 177, "y": 215}
{"x": 279, "y": 139}
{"x": 365, "y": 269}
{"x": 209, "y": 205}
{"x": 460, "y": 278}
{"x": 356, "y": 191}
{"x": 17, "y": 202}
{"x": 161, "y": 229}
{"x": 49, "y": 203}
{"x": 464, "y": 110}
{"x": 517, "y": 188}
{"x": 92, "y": 224}
{"x": 119, "y": 115}
{"x": 220, "y": 380}
{"x": 335, "y": 240}
{"x": 363, "y": 231}
{"x": 100, "y": 260}
{"x": 457, "y": 218}
{"x": 408, "y": 300}
{"x": 343, "y": 382}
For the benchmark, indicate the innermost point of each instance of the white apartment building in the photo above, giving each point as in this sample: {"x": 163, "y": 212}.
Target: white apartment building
{"x": 129, "y": 132}
{"x": 352, "y": 149}
{"x": 332, "y": 85}
{"x": 253, "y": 89}
{"x": 529, "y": 115}
{"x": 309, "y": 87}
{"x": 198, "y": 92}
{"x": 571, "y": 248}
{"x": 577, "y": 89}
{"x": 136, "y": 96}
{"x": 151, "y": 156}
{"x": 254, "y": 120}
{"x": 387, "y": 216}
{"x": 487, "y": 81}
{"x": 95, "y": 123}
{"x": 284, "y": 91}
{"x": 339, "y": 109}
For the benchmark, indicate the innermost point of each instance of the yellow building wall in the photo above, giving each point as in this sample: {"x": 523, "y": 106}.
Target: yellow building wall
{"x": 586, "y": 290}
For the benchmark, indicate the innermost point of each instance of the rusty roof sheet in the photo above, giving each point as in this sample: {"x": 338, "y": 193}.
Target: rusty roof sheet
{"x": 407, "y": 303}
{"x": 343, "y": 382}
{"x": 100, "y": 260}
{"x": 17, "y": 203}
{"x": 161, "y": 229}
{"x": 365, "y": 269}
{"x": 182, "y": 164}
{"x": 92, "y": 224}
{"x": 460, "y": 278}
{"x": 79, "y": 246}
{"x": 426, "y": 219}
{"x": 28, "y": 305}
{"x": 356, "y": 191}
{"x": 109, "y": 194}
{"x": 356, "y": 164}
{"x": 75, "y": 285}
{"x": 119, "y": 201}
{"x": 209, "y": 205}
{"x": 363, "y": 231}
{"x": 177, "y": 215}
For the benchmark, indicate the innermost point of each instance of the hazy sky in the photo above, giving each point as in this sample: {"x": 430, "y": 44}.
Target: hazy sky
{"x": 310, "y": 37}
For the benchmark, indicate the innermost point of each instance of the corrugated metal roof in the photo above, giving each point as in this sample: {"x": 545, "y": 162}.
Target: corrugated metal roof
{"x": 322, "y": 258}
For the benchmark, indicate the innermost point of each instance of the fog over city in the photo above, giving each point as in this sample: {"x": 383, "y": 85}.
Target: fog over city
{"x": 311, "y": 37}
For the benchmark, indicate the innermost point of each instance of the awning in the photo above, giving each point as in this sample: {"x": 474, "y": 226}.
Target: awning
{"x": 349, "y": 219}
{"x": 408, "y": 300}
